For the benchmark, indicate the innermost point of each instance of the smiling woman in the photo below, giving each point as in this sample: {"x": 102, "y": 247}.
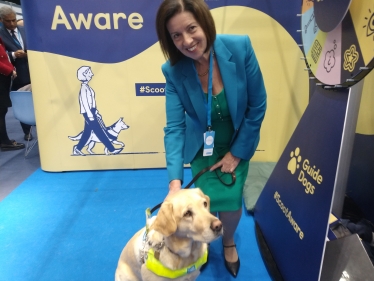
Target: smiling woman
{"x": 215, "y": 104}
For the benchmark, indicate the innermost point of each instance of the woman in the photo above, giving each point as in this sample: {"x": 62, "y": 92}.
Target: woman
{"x": 7, "y": 73}
{"x": 187, "y": 36}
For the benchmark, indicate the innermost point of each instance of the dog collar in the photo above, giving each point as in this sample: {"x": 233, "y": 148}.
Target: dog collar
{"x": 154, "y": 265}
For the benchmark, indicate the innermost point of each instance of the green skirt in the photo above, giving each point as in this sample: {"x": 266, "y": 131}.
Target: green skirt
{"x": 222, "y": 198}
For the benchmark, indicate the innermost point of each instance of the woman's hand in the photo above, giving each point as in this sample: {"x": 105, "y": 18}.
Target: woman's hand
{"x": 174, "y": 186}
{"x": 228, "y": 163}
{"x": 14, "y": 74}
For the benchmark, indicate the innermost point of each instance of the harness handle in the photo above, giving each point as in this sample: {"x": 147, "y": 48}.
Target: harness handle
{"x": 233, "y": 176}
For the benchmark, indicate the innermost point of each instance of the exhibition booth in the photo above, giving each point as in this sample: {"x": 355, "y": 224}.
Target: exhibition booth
{"x": 315, "y": 57}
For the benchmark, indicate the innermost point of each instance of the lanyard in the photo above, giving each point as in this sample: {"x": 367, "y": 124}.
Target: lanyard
{"x": 210, "y": 89}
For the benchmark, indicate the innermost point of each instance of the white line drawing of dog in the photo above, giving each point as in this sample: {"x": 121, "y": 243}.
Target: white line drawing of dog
{"x": 113, "y": 132}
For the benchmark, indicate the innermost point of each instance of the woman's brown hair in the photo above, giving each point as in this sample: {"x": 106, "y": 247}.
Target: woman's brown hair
{"x": 169, "y": 8}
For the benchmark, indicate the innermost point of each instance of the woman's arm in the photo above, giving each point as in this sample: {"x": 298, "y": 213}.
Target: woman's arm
{"x": 248, "y": 136}
{"x": 174, "y": 133}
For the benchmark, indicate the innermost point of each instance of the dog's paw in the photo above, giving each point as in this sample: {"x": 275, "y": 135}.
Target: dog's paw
{"x": 155, "y": 240}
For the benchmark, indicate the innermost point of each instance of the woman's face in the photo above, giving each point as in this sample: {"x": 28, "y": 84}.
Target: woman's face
{"x": 187, "y": 35}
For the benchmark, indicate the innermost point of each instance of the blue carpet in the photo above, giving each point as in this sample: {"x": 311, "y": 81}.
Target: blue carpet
{"x": 72, "y": 226}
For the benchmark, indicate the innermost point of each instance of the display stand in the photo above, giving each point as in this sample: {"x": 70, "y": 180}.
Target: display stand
{"x": 273, "y": 239}
{"x": 309, "y": 181}
{"x": 294, "y": 207}
{"x": 345, "y": 260}
{"x": 345, "y": 154}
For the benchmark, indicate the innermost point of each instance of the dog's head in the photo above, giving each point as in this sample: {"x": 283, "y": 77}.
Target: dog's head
{"x": 185, "y": 214}
{"x": 120, "y": 125}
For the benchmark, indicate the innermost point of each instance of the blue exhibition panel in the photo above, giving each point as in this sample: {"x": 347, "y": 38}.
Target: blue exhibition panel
{"x": 293, "y": 209}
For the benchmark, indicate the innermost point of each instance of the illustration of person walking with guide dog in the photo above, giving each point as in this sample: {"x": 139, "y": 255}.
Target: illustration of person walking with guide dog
{"x": 93, "y": 120}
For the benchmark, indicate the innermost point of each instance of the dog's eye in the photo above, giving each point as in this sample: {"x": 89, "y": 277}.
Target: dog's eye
{"x": 187, "y": 214}
{"x": 205, "y": 204}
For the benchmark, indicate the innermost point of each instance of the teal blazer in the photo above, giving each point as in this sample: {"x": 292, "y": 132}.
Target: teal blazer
{"x": 186, "y": 119}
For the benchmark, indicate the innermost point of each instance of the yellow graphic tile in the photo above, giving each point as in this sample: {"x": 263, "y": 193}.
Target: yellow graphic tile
{"x": 350, "y": 58}
{"x": 315, "y": 53}
{"x": 362, "y": 13}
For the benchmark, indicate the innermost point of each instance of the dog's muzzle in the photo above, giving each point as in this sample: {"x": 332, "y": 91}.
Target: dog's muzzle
{"x": 216, "y": 226}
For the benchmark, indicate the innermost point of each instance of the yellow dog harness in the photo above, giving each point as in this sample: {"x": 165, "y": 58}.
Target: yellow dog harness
{"x": 154, "y": 265}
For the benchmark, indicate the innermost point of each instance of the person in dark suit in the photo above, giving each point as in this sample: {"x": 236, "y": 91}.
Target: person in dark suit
{"x": 14, "y": 39}
{"x": 215, "y": 105}
{"x": 7, "y": 73}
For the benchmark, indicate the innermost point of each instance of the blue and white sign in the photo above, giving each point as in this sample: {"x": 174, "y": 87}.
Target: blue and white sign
{"x": 294, "y": 207}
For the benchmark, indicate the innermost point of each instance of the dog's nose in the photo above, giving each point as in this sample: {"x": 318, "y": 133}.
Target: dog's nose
{"x": 216, "y": 226}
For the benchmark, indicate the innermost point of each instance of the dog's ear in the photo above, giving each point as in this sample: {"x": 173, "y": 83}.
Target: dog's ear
{"x": 200, "y": 192}
{"x": 165, "y": 222}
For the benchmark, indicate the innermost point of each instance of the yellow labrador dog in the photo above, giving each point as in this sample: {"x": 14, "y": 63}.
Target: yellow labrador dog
{"x": 174, "y": 246}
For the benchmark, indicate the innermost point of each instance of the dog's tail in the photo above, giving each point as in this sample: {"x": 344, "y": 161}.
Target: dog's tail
{"x": 77, "y": 137}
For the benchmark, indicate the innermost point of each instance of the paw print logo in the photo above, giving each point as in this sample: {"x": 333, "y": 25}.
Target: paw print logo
{"x": 295, "y": 160}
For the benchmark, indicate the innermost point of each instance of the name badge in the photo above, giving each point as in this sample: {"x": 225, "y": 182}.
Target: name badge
{"x": 208, "y": 143}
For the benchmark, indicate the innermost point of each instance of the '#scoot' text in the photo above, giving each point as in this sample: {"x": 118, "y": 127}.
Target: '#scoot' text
{"x": 288, "y": 215}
